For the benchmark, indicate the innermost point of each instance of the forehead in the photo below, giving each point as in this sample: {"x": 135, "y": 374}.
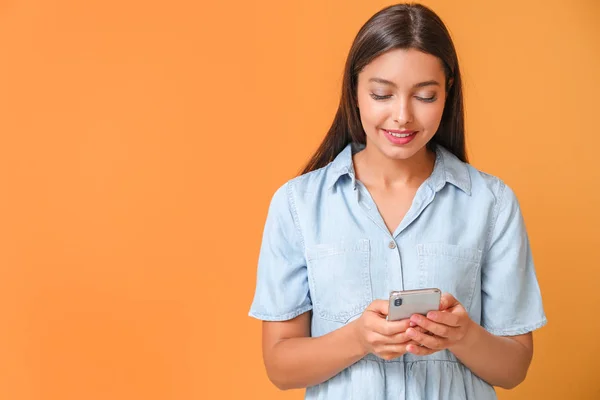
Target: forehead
{"x": 404, "y": 67}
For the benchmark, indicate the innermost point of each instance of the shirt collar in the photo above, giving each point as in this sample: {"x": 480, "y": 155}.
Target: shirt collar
{"x": 343, "y": 165}
{"x": 447, "y": 168}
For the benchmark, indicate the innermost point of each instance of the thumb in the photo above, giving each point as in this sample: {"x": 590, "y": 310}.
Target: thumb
{"x": 379, "y": 306}
{"x": 447, "y": 301}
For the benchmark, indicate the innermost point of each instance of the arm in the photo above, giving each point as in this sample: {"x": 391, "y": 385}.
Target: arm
{"x": 295, "y": 360}
{"x": 499, "y": 360}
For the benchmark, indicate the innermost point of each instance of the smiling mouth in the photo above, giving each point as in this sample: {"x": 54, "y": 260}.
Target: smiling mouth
{"x": 401, "y": 134}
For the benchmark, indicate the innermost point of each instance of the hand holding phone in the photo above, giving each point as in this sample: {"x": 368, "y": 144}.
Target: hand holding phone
{"x": 377, "y": 335}
{"x": 405, "y": 303}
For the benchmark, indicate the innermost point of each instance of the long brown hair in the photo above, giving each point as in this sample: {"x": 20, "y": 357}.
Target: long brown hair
{"x": 401, "y": 26}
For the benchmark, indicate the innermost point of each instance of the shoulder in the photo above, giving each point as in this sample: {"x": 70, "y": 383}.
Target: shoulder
{"x": 309, "y": 183}
{"x": 492, "y": 187}
{"x": 479, "y": 185}
{"x": 302, "y": 187}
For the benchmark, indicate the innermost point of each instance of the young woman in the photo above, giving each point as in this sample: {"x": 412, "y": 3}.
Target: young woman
{"x": 389, "y": 202}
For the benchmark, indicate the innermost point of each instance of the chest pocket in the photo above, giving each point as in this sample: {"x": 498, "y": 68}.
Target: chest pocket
{"x": 450, "y": 268}
{"x": 340, "y": 278}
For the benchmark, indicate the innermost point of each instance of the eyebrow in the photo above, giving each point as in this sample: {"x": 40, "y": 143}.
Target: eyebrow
{"x": 418, "y": 85}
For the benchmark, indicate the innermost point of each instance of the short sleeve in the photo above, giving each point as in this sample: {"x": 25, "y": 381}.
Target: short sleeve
{"x": 511, "y": 298}
{"x": 282, "y": 282}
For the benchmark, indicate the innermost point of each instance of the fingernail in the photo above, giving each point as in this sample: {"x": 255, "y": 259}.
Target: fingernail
{"x": 414, "y": 318}
{"x": 412, "y": 324}
{"x": 411, "y": 332}
{"x": 432, "y": 315}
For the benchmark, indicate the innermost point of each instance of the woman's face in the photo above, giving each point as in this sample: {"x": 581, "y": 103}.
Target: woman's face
{"x": 401, "y": 96}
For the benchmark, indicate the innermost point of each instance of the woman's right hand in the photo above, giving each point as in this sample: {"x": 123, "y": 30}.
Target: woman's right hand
{"x": 377, "y": 335}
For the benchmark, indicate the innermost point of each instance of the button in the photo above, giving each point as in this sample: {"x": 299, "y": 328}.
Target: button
{"x": 392, "y": 245}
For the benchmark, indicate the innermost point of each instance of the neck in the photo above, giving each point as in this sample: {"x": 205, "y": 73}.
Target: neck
{"x": 375, "y": 169}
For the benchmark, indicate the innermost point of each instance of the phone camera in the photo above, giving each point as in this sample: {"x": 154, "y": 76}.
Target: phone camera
{"x": 398, "y": 302}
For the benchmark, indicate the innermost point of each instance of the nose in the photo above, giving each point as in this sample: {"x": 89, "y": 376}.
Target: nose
{"x": 403, "y": 112}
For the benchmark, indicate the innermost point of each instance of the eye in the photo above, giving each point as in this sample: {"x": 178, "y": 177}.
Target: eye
{"x": 377, "y": 97}
{"x": 427, "y": 99}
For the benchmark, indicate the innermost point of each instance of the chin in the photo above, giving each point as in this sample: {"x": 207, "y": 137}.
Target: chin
{"x": 402, "y": 152}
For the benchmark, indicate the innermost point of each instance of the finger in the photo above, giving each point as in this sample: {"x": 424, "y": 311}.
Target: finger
{"x": 419, "y": 350}
{"x": 446, "y": 318}
{"x": 402, "y": 337}
{"x": 447, "y": 301}
{"x": 396, "y": 349}
{"x": 432, "y": 342}
{"x": 378, "y": 339}
{"x": 390, "y": 328}
{"x": 417, "y": 327}
{"x": 431, "y": 326}
{"x": 399, "y": 338}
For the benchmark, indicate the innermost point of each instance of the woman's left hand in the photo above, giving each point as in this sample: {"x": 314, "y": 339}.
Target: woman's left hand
{"x": 447, "y": 327}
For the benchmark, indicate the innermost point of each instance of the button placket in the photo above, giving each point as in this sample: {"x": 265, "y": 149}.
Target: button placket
{"x": 394, "y": 265}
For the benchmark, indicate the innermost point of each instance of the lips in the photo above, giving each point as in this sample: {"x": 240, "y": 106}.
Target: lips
{"x": 400, "y": 137}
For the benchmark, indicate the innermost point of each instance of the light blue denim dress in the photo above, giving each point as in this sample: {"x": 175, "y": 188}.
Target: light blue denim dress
{"x": 326, "y": 248}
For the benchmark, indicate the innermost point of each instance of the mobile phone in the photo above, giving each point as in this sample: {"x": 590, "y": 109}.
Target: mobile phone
{"x": 404, "y": 303}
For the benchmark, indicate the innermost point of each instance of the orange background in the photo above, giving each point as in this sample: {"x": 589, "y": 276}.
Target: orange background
{"x": 141, "y": 143}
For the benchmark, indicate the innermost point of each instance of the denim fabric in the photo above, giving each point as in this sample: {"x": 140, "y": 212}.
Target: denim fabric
{"x": 327, "y": 249}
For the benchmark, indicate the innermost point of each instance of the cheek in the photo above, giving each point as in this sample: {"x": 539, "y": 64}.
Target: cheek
{"x": 373, "y": 114}
{"x": 432, "y": 116}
